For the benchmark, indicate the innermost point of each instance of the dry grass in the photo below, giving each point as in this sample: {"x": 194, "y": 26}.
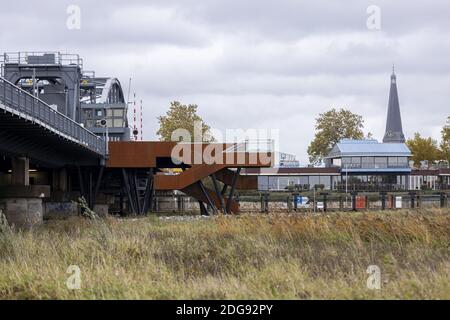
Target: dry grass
{"x": 250, "y": 256}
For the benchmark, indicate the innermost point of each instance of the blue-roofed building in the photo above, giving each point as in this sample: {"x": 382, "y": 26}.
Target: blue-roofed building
{"x": 369, "y": 162}
{"x": 369, "y": 156}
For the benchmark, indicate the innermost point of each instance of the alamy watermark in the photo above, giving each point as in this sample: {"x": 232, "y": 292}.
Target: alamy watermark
{"x": 73, "y": 282}
{"x": 373, "y": 21}
{"x": 73, "y": 21}
{"x": 374, "y": 279}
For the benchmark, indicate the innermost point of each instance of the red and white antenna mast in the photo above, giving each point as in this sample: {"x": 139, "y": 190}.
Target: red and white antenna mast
{"x": 142, "y": 131}
{"x": 135, "y": 131}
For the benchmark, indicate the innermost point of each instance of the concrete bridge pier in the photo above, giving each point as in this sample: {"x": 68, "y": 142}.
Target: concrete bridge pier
{"x": 20, "y": 202}
{"x": 61, "y": 204}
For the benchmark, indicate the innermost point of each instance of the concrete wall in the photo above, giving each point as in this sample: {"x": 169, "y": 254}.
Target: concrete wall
{"x": 60, "y": 210}
{"x": 170, "y": 204}
{"x": 22, "y": 212}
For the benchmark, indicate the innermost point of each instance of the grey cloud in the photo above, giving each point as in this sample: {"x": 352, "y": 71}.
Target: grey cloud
{"x": 258, "y": 64}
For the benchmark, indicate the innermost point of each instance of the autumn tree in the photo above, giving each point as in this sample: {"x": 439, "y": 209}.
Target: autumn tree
{"x": 180, "y": 116}
{"x": 423, "y": 149}
{"x": 331, "y": 127}
{"x": 445, "y": 142}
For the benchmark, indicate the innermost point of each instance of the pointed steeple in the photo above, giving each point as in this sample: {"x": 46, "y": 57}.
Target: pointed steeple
{"x": 394, "y": 130}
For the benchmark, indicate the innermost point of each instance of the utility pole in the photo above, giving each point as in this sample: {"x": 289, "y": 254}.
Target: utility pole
{"x": 34, "y": 82}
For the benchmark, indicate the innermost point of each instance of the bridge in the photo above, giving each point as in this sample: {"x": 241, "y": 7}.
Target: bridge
{"x": 29, "y": 126}
{"x": 64, "y": 134}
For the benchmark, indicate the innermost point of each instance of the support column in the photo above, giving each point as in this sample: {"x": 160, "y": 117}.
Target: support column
{"x": 208, "y": 198}
{"x": 383, "y": 200}
{"x": 218, "y": 194}
{"x": 20, "y": 175}
{"x": 233, "y": 188}
{"x": 413, "y": 196}
{"x": 59, "y": 177}
{"x": 325, "y": 208}
{"x": 22, "y": 205}
{"x": 60, "y": 205}
{"x": 20, "y": 202}
{"x": 354, "y": 194}
{"x": 128, "y": 192}
{"x": 148, "y": 195}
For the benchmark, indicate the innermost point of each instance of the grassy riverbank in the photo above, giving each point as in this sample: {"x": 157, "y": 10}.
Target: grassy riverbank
{"x": 245, "y": 257}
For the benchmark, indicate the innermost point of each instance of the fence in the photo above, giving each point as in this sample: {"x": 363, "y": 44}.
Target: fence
{"x": 341, "y": 202}
{"x": 284, "y": 202}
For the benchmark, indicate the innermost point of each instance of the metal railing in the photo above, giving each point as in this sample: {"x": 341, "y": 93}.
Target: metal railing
{"x": 253, "y": 145}
{"x": 346, "y": 166}
{"x": 42, "y": 57}
{"x": 368, "y": 187}
{"x": 27, "y": 105}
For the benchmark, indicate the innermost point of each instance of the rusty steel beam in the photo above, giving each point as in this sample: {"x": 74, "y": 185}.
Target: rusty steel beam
{"x": 128, "y": 190}
{"x": 216, "y": 189}
{"x": 233, "y": 188}
{"x": 208, "y": 199}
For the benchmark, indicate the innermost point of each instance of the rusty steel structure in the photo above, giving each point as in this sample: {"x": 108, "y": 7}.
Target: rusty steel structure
{"x": 134, "y": 161}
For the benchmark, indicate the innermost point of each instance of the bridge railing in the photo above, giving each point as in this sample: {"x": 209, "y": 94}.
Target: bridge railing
{"x": 42, "y": 57}
{"x": 37, "y": 110}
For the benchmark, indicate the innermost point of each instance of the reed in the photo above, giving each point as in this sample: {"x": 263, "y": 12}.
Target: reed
{"x": 276, "y": 256}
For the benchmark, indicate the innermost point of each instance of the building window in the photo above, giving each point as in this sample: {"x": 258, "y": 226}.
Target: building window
{"x": 380, "y": 162}
{"x": 88, "y": 114}
{"x": 118, "y": 123}
{"x": 118, "y": 113}
{"x": 303, "y": 180}
{"x": 263, "y": 183}
{"x": 336, "y": 162}
{"x": 313, "y": 180}
{"x": 99, "y": 112}
{"x": 356, "y": 162}
{"x": 367, "y": 162}
{"x": 392, "y": 162}
{"x": 346, "y": 162}
{"x": 335, "y": 182}
{"x": 273, "y": 183}
{"x": 326, "y": 181}
{"x": 402, "y": 161}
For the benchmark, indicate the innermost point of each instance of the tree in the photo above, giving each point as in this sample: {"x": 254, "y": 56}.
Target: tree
{"x": 445, "y": 142}
{"x": 423, "y": 149}
{"x": 331, "y": 127}
{"x": 180, "y": 116}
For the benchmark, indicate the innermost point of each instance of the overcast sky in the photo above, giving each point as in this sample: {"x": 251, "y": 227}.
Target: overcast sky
{"x": 256, "y": 64}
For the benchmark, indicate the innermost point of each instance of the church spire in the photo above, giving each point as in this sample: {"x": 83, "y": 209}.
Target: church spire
{"x": 394, "y": 130}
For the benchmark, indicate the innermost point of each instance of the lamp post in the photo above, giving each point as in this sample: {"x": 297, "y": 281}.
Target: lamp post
{"x": 346, "y": 177}
{"x": 346, "y": 184}
{"x": 107, "y": 132}
{"x": 104, "y": 124}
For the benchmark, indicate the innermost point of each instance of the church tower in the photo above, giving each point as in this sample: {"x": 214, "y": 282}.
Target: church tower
{"x": 394, "y": 130}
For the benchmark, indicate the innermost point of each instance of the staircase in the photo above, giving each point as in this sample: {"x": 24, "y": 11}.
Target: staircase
{"x": 158, "y": 155}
